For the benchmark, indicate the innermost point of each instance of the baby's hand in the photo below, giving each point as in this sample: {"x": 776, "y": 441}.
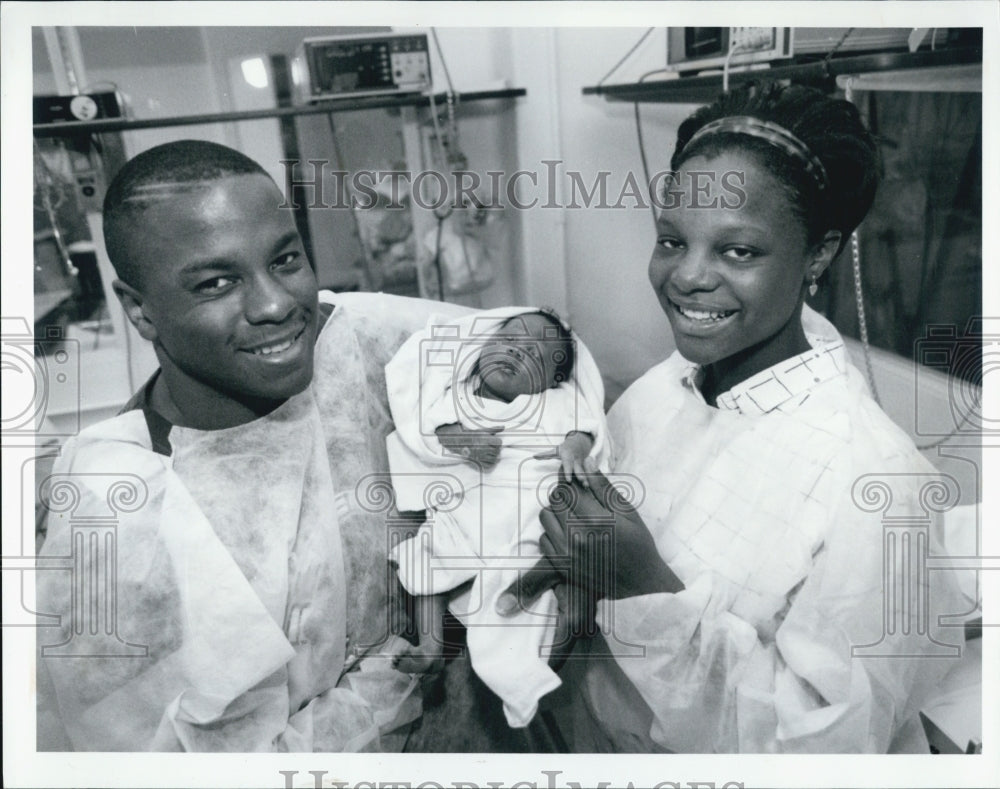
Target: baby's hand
{"x": 480, "y": 448}
{"x": 574, "y": 455}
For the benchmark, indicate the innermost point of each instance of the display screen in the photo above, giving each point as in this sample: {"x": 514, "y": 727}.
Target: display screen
{"x": 350, "y": 66}
{"x": 702, "y": 42}
{"x": 685, "y": 44}
{"x": 378, "y": 64}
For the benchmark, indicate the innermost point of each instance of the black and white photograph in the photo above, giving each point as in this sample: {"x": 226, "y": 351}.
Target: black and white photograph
{"x": 497, "y": 395}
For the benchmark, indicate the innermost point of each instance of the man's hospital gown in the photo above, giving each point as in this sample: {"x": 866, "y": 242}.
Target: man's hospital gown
{"x": 234, "y": 565}
{"x": 751, "y": 505}
{"x": 485, "y": 524}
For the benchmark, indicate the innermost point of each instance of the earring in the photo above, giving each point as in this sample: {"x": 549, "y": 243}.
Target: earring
{"x": 813, "y": 287}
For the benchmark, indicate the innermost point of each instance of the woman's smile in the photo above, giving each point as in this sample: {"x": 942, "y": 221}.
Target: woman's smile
{"x": 731, "y": 280}
{"x": 701, "y": 317}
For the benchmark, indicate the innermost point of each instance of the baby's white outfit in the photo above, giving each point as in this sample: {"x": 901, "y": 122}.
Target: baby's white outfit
{"x": 483, "y": 526}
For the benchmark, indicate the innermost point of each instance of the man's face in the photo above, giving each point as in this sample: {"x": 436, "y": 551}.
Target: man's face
{"x": 228, "y": 290}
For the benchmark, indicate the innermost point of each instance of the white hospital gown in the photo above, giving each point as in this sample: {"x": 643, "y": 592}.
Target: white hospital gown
{"x": 486, "y": 530}
{"x": 751, "y": 506}
{"x": 234, "y": 563}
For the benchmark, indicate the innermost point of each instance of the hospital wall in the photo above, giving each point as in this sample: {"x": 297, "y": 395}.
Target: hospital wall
{"x": 591, "y": 262}
{"x": 605, "y": 250}
{"x": 178, "y": 71}
{"x": 588, "y": 262}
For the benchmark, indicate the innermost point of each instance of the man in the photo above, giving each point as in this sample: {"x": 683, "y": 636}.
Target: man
{"x": 235, "y": 478}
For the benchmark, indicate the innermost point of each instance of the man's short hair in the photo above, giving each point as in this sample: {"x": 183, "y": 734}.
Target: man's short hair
{"x": 173, "y": 164}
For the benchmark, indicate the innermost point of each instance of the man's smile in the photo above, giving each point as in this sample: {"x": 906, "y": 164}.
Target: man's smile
{"x": 278, "y": 346}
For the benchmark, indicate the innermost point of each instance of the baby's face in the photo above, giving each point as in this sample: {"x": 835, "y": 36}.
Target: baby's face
{"x": 521, "y": 358}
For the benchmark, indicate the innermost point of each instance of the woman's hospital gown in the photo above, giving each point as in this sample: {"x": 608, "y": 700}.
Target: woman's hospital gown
{"x": 755, "y": 506}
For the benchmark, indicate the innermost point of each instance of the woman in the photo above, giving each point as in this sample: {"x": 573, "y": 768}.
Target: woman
{"x": 747, "y": 574}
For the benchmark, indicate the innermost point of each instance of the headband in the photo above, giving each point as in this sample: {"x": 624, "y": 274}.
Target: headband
{"x": 776, "y": 135}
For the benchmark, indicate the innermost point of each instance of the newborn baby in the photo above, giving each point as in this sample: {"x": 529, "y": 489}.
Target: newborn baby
{"x": 501, "y": 401}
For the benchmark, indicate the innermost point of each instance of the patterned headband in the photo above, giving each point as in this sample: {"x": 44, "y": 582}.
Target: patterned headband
{"x": 776, "y": 135}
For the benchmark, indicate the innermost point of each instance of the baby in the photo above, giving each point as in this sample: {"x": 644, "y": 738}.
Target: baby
{"x": 492, "y": 405}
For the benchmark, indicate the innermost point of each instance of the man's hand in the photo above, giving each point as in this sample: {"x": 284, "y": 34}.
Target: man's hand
{"x": 480, "y": 448}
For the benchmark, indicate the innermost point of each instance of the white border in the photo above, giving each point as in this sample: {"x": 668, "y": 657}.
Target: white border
{"x": 22, "y": 767}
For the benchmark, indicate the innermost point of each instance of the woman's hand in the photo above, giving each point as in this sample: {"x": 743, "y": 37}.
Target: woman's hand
{"x": 480, "y": 448}
{"x": 576, "y": 618}
{"x": 596, "y": 541}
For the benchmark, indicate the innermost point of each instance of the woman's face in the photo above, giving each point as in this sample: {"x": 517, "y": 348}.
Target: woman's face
{"x": 730, "y": 264}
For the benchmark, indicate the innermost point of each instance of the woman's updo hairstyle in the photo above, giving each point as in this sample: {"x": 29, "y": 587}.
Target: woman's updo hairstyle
{"x": 830, "y": 128}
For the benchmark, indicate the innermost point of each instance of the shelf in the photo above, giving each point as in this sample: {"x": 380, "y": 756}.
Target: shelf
{"x": 820, "y": 73}
{"x": 318, "y": 108}
{"x": 960, "y": 78}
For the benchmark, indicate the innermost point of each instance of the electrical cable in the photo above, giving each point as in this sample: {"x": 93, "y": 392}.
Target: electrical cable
{"x": 833, "y": 51}
{"x": 862, "y": 319}
{"x": 371, "y": 272}
{"x": 44, "y": 185}
{"x": 859, "y": 296}
{"x": 642, "y": 144}
{"x": 627, "y": 55}
{"x": 452, "y": 97}
{"x": 437, "y": 255}
{"x": 746, "y": 48}
{"x": 439, "y": 215}
{"x": 450, "y": 154}
{"x": 734, "y": 49}
{"x": 44, "y": 176}
{"x": 437, "y": 133}
{"x": 437, "y": 46}
{"x": 645, "y": 163}
{"x": 649, "y": 74}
